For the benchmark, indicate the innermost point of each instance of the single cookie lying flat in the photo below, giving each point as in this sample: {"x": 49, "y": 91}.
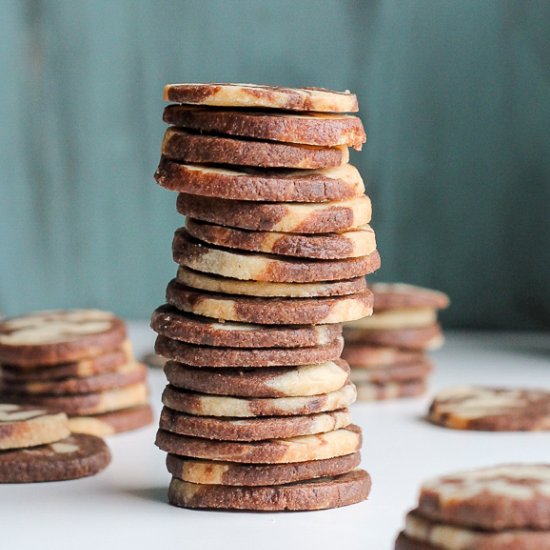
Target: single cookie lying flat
{"x": 349, "y": 244}
{"x": 367, "y": 391}
{"x": 491, "y": 409}
{"x": 392, "y": 373}
{"x": 269, "y": 311}
{"x": 416, "y": 339}
{"x": 250, "y": 184}
{"x": 170, "y": 322}
{"x": 181, "y": 145}
{"x": 247, "y": 407}
{"x": 262, "y": 97}
{"x": 400, "y": 296}
{"x": 318, "y": 494}
{"x": 310, "y": 129}
{"x": 300, "y": 381}
{"x": 203, "y": 356}
{"x": 74, "y": 457}
{"x": 364, "y": 356}
{"x": 26, "y": 426}
{"x": 286, "y": 217}
{"x": 50, "y": 337}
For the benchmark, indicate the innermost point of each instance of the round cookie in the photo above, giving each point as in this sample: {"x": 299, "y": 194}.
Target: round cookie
{"x": 274, "y": 451}
{"x": 26, "y": 426}
{"x": 367, "y": 391}
{"x": 491, "y": 409}
{"x": 202, "y": 356}
{"x": 262, "y": 97}
{"x": 403, "y": 296}
{"x": 241, "y": 407}
{"x": 416, "y": 339}
{"x": 508, "y": 496}
{"x": 303, "y": 381}
{"x": 51, "y": 337}
{"x": 246, "y": 266}
{"x": 172, "y": 323}
{"x": 178, "y": 144}
{"x": 403, "y": 542}
{"x": 397, "y": 319}
{"x": 249, "y": 184}
{"x": 74, "y": 457}
{"x": 269, "y": 311}
{"x": 318, "y": 494}
{"x": 210, "y": 472}
{"x": 331, "y": 246}
{"x": 365, "y": 357}
{"x": 224, "y": 285}
{"x": 252, "y": 429}
{"x": 324, "y": 130}
{"x": 392, "y": 373}
{"x": 128, "y": 374}
{"x": 103, "y": 425}
{"x": 284, "y": 217}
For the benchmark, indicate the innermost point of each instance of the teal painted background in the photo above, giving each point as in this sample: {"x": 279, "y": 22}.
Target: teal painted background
{"x": 454, "y": 96}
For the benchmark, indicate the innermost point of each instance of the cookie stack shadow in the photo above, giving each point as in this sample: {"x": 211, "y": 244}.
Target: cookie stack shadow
{"x": 387, "y": 352}
{"x": 271, "y": 261}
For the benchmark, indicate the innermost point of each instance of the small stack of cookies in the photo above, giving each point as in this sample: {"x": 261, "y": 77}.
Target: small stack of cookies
{"x": 79, "y": 362}
{"x": 387, "y": 351}
{"x": 271, "y": 260}
{"x": 505, "y": 507}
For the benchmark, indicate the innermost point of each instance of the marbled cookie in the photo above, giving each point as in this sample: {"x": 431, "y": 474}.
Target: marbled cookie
{"x": 306, "y": 380}
{"x": 368, "y": 391}
{"x": 262, "y": 97}
{"x": 203, "y": 356}
{"x": 364, "y": 356}
{"x": 360, "y": 241}
{"x": 392, "y": 373}
{"x": 250, "y": 407}
{"x": 181, "y": 145}
{"x": 317, "y": 494}
{"x": 491, "y": 409}
{"x": 402, "y": 296}
{"x": 170, "y": 322}
{"x": 269, "y": 311}
{"x": 284, "y": 217}
{"x": 274, "y": 451}
{"x": 51, "y": 337}
{"x": 397, "y": 319}
{"x": 73, "y": 457}
{"x": 326, "y": 130}
{"x": 416, "y": 339}
{"x": 26, "y": 426}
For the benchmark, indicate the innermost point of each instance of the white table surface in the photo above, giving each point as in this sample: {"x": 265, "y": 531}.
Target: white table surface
{"x": 125, "y": 507}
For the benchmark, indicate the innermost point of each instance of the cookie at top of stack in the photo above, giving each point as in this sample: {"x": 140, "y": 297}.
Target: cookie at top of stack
{"x": 271, "y": 260}
{"x": 387, "y": 352}
{"x": 76, "y": 361}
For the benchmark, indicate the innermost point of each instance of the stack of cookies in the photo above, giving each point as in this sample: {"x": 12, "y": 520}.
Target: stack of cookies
{"x": 79, "y": 362}
{"x": 271, "y": 260}
{"x": 505, "y": 507}
{"x": 387, "y": 352}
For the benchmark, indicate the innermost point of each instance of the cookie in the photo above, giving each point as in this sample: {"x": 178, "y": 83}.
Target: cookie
{"x": 110, "y": 423}
{"x": 51, "y": 337}
{"x": 250, "y": 184}
{"x": 284, "y": 217}
{"x": 365, "y": 357}
{"x": 397, "y": 319}
{"x": 402, "y": 296}
{"x": 274, "y": 451}
{"x": 106, "y": 362}
{"x": 269, "y": 311}
{"x": 73, "y": 457}
{"x": 25, "y": 426}
{"x": 209, "y": 472}
{"x": 393, "y": 373}
{"x": 417, "y": 339}
{"x": 318, "y": 494}
{"x": 225, "y": 285}
{"x": 300, "y": 381}
{"x": 128, "y": 374}
{"x": 202, "y": 356}
{"x": 262, "y": 97}
{"x": 332, "y": 246}
{"x": 154, "y": 361}
{"x": 93, "y": 403}
{"x": 246, "y": 266}
{"x": 172, "y": 323}
{"x": 491, "y": 409}
{"x": 368, "y": 391}
{"x": 252, "y": 429}
{"x": 403, "y": 542}
{"x": 249, "y": 407}
{"x": 181, "y": 145}
{"x": 508, "y": 496}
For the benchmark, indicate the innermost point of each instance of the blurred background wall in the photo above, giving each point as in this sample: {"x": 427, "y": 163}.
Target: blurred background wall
{"x": 454, "y": 96}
